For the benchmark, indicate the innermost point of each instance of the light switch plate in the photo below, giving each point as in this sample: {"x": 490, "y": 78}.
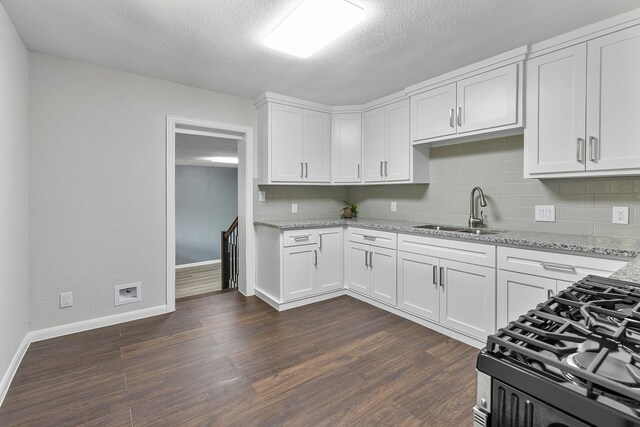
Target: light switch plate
{"x": 620, "y": 215}
{"x": 394, "y": 206}
{"x": 66, "y": 299}
{"x": 545, "y": 213}
{"x": 294, "y": 208}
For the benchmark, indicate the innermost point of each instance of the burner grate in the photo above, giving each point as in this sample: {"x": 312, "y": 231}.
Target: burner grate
{"x": 596, "y": 315}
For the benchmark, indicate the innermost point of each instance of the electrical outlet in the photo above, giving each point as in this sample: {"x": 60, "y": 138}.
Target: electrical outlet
{"x": 262, "y": 196}
{"x": 66, "y": 299}
{"x": 545, "y": 213}
{"x": 294, "y": 208}
{"x": 394, "y": 206}
{"x": 620, "y": 215}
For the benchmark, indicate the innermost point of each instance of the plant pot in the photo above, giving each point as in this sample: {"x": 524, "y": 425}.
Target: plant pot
{"x": 347, "y": 213}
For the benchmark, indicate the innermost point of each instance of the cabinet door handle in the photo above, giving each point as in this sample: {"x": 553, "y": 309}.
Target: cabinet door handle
{"x": 435, "y": 275}
{"x": 306, "y": 170}
{"x": 557, "y": 267}
{"x": 301, "y": 169}
{"x": 442, "y": 277}
{"x": 549, "y": 293}
{"x": 358, "y": 170}
{"x": 315, "y": 257}
{"x": 320, "y": 245}
{"x": 451, "y": 120}
{"x": 301, "y": 237}
{"x": 386, "y": 169}
{"x": 579, "y": 144}
{"x": 371, "y": 238}
{"x": 381, "y": 168}
{"x": 371, "y": 259}
{"x": 459, "y": 116}
{"x": 592, "y": 147}
{"x": 366, "y": 258}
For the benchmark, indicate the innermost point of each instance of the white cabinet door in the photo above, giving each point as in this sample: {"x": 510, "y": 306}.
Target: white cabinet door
{"x": 398, "y": 144}
{"x": 433, "y": 113}
{"x": 488, "y": 100}
{"x": 418, "y": 285}
{"x": 317, "y": 146}
{"x": 383, "y": 275}
{"x": 346, "y": 147}
{"x": 358, "y": 271}
{"x": 518, "y": 293}
{"x": 374, "y": 144}
{"x": 555, "y": 113}
{"x": 613, "y": 100}
{"x": 299, "y": 271}
{"x": 467, "y": 298}
{"x": 329, "y": 259}
{"x": 287, "y": 136}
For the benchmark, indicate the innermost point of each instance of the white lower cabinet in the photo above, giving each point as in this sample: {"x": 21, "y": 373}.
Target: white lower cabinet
{"x": 329, "y": 264}
{"x": 300, "y": 271}
{"x": 457, "y": 293}
{"x": 527, "y": 278}
{"x": 371, "y": 270}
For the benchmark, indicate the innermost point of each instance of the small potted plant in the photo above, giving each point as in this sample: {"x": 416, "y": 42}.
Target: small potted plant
{"x": 349, "y": 211}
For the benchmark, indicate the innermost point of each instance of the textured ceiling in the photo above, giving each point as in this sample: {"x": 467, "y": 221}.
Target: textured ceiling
{"x": 194, "y": 150}
{"x": 217, "y": 44}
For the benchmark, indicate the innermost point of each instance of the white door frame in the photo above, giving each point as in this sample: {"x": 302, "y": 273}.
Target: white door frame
{"x": 246, "y": 279}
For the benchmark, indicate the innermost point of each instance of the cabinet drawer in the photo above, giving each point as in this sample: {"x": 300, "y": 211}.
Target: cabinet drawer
{"x": 383, "y": 239}
{"x": 555, "y": 265}
{"x": 472, "y": 253}
{"x": 299, "y": 237}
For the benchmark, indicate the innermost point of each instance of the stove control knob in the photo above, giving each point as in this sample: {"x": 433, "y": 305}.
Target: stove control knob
{"x": 483, "y": 403}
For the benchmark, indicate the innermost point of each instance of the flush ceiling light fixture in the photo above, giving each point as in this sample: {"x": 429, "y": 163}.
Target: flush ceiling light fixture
{"x": 230, "y": 160}
{"x": 313, "y": 25}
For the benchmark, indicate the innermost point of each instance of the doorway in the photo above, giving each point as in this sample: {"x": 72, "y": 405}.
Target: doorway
{"x": 195, "y": 148}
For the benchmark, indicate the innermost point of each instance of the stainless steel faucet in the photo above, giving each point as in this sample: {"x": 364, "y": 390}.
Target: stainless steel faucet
{"x": 473, "y": 220}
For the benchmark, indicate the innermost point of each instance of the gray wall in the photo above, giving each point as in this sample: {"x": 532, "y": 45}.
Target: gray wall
{"x": 97, "y": 140}
{"x": 14, "y": 204}
{"x": 206, "y": 203}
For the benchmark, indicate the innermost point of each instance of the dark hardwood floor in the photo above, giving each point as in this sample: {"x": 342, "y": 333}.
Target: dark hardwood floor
{"x": 229, "y": 360}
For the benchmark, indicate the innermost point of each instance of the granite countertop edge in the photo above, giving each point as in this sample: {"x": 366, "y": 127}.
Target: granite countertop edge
{"x": 608, "y": 246}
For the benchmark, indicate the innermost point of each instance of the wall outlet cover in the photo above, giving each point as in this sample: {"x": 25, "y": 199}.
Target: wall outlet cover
{"x": 545, "y": 213}
{"x": 66, "y": 299}
{"x": 262, "y": 196}
{"x": 620, "y": 215}
{"x": 394, "y": 206}
{"x": 126, "y": 294}
{"x": 294, "y": 208}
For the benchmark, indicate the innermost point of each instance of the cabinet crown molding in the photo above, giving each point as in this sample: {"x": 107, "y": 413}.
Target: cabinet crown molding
{"x": 297, "y": 102}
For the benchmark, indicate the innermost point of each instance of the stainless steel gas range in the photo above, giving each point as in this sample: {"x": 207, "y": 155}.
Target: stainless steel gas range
{"x": 574, "y": 360}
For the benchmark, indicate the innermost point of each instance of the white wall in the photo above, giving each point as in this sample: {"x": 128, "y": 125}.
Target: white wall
{"x": 97, "y": 182}
{"x": 14, "y": 200}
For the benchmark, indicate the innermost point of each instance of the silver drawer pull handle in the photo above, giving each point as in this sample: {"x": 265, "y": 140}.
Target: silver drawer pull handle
{"x": 557, "y": 267}
{"x": 435, "y": 275}
{"x": 301, "y": 238}
{"x": 372, "y": 238}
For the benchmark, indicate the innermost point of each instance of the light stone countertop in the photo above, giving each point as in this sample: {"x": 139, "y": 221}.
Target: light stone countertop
{"x": 608, "y": 246}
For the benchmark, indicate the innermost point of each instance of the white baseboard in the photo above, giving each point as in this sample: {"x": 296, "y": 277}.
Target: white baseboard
{"x": 85, "y": 325}
{"x": 13, "y": 367}
{"x": 198, "y": 264}
{"x": 282, "y": 306}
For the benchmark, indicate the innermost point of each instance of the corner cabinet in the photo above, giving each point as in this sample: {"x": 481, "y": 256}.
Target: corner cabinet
{"x": 486, "y": 102}
{"x": 294, "y": 144}
{"x": 294, "y": 265}
{"x": 448, "y": 282}
{"x": 583, "y": 104}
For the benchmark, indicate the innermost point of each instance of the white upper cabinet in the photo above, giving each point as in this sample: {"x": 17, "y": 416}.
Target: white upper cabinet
{"x": 346, "y": 147}
{"x": 556, "y": 106}
{"x": 386, "y": 143}
{"x": 613, "y": 101}
{"x": 433, "y": 113}
{"x": 583, "y": 104}
{"x": 294, "y": 144}
{"x": 463, "y": 109}
{"x": 488, "y": 100}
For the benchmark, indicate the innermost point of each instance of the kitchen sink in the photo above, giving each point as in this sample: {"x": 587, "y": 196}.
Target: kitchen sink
{"x": 466, "y": 230}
